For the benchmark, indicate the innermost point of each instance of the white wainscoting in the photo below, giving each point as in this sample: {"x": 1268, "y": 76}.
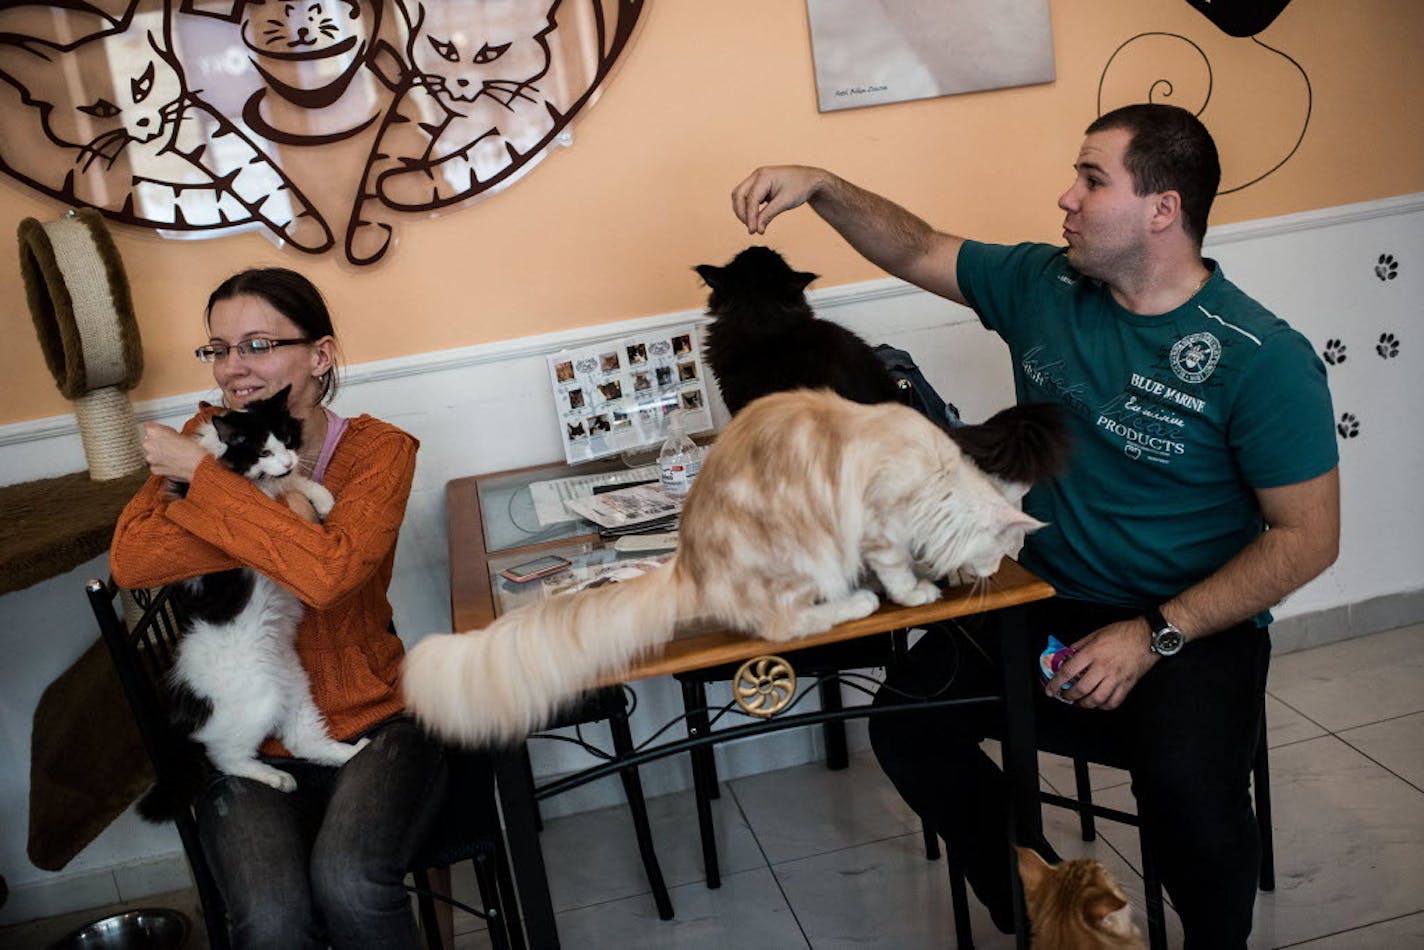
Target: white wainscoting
{"x": 486, "y": 408}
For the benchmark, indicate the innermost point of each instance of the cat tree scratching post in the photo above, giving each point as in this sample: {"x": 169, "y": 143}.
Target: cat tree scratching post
{"x": 86, "y": 762}
{"x": 83, "y": 314}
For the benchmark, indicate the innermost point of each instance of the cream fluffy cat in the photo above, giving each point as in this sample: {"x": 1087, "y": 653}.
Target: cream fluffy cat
{"x": 804, "y": 499}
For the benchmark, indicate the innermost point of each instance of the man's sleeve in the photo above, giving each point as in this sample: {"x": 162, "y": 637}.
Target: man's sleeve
{"x": 996, "y": 279}
{"x": 1283, "y": 424}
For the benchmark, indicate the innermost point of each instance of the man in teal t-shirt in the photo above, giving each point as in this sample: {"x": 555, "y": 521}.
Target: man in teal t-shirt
{"x": 1202, "y": 490}
{"x": 1182, "y": 413}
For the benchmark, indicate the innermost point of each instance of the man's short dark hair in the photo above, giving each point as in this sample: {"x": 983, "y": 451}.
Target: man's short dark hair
{"x": 1170, "y": 150}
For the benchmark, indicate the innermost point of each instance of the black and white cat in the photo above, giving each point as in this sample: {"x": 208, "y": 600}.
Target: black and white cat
{"x": 237, "y": 678}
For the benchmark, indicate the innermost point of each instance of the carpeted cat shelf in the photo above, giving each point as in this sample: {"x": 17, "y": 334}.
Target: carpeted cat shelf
{"x": 86, "y": 761}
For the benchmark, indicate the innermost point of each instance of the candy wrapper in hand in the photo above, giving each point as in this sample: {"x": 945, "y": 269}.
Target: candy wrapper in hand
{"x": 1054, "y": 656}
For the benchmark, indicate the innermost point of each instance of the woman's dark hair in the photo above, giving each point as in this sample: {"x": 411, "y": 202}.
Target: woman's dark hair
{"x": 291, "y": 295}
{"x": 1170, "y": 150}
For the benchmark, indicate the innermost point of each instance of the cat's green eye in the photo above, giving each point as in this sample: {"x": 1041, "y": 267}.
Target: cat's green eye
{"x": 445, "y": 49}
{"x": 100, "y": 108}
{"x": 489, "y": 54}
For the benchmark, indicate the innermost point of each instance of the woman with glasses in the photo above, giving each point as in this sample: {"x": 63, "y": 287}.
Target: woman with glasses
{"x": 323, "y": 864}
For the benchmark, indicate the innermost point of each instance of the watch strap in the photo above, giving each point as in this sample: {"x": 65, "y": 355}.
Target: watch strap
{"x": 1155, "y": 620}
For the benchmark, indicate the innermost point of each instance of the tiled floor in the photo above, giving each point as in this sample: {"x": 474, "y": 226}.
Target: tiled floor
{"x": 812, "y": 858}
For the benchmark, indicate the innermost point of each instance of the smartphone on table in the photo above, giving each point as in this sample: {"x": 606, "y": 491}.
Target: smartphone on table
{"x": 539, "y": 567}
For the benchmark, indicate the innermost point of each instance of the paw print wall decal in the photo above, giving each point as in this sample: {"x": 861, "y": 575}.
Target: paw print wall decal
{"x": 1388, "y": 346}
{"x": 1348, "y": 426}
{"x": 1386, "y": 267}
{"x": 1334, "y": 352}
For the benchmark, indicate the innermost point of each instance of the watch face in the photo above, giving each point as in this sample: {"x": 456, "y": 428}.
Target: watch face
{"x": 1168, "y": 640}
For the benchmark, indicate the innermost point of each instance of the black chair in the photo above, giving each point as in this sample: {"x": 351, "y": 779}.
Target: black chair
{"x": 611, "y": 703}
{"x": 143, "y": 654}
{"x": 1088, "y": 812}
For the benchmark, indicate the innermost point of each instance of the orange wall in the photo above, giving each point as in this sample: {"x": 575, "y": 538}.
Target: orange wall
{"x": 608, "y": 230}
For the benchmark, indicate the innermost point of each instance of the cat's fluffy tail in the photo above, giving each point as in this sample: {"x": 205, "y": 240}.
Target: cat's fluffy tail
{"x": 1025, "y": 443}
{"x": 499, "y": 684}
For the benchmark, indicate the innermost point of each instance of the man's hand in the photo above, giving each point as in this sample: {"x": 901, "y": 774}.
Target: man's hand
{"x": 169, "y": 453}
{"x": 772, "y": 189}
{"x": 1108, "y": 664}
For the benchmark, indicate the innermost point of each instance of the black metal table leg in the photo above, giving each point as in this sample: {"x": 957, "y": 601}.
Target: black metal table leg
{"x": 516, "y": 802}
{"x": 1020, "y": 749}
{"x": 704, "y": 779}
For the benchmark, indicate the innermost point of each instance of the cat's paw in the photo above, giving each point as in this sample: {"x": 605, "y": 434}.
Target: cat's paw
{"x": 321, "y": 498}
{"x": 338, "y": 753}
{"x": 281, "y": 781}
{"x": 924, "y": 592}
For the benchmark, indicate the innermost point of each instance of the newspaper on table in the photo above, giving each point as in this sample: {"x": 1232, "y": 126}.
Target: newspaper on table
{"x": 627, "y": 506}
{"x": 616, "y": 395}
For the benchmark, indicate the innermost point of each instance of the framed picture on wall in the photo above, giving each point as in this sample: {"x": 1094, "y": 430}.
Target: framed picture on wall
{"x": 870, "y": 52}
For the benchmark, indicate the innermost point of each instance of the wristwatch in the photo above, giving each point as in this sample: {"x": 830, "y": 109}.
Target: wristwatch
{"x": 1166, "y": 640}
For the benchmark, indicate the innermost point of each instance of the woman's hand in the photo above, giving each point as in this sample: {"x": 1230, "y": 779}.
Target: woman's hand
{"x": 169, "y": 453}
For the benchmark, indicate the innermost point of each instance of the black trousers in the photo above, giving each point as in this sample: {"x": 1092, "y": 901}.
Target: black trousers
{"x": 1187, "y": 734}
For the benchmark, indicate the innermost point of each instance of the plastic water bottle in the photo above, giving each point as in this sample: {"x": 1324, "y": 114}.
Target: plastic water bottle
{"x": 679, "y": 459}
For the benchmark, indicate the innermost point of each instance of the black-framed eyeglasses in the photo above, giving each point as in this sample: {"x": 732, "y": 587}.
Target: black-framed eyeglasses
{"x": 259, "y": 346}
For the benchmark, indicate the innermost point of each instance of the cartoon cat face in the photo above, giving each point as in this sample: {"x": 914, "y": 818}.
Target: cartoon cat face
{"x": 494, "y": 50}
{"x": 309, "y": 45}
{"x": 131, "y": 91}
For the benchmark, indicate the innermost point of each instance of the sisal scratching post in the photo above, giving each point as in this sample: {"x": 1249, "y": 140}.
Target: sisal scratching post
{"x": 79, "y": 300}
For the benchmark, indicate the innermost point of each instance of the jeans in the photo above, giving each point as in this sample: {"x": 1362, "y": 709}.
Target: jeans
{"x": 325, "y": 864}
{"x": 1187, "y": 734}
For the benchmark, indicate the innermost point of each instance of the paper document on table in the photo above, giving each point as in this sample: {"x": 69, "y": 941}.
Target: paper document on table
{"x": 550, "y": 496}
{"x": 627, "y": 506}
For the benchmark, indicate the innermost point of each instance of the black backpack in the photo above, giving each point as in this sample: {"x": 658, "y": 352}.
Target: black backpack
{"x": 916, "y": 391}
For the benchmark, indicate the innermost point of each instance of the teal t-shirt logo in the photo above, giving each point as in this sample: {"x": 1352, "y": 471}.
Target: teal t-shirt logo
{"x": 1195, "y": 356}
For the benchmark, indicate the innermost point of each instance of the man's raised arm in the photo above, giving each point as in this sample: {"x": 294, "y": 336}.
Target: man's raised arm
{"x": 883, "y": 232}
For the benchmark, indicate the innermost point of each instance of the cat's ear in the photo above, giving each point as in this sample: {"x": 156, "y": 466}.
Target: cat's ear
{"x": 224, "y": 427}
{"x": 28, "y": 66}
{"x": 1033, "y": 870}
{"x": 800, "y": 279}
{"x": 1101, "y": 905}
{"x": 277, "y": 402}
{"x": 1013, "y": 519}
{"x": 711, "y": 276}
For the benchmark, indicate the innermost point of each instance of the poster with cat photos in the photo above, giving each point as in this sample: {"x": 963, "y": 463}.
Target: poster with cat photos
{"x": 617, "y": 395}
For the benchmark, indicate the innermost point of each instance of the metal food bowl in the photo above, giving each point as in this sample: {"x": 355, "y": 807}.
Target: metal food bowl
{"x": 149, "y": 928}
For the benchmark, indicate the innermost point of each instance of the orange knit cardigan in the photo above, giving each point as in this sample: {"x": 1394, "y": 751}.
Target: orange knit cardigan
{"x": 340, "y": 569}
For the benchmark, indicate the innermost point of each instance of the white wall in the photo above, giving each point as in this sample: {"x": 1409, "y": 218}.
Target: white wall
{"x": 488, "y": 408}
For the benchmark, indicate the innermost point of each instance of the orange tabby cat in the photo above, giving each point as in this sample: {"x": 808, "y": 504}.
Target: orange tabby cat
{"x": 802, "y": 501}
{"x": 1076, "y": 905}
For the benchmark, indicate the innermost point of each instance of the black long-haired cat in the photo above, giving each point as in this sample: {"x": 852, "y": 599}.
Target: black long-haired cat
{"x": 764, "y": 338}
{"x": 237, "y": 678}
